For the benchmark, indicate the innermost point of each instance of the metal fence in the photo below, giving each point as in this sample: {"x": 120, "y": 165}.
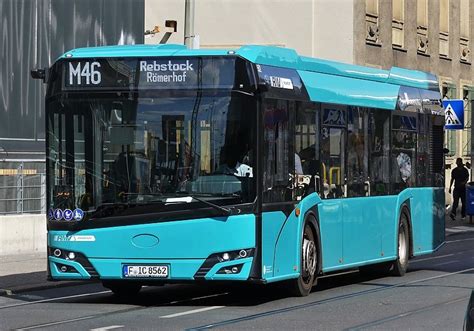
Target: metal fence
{"x": 23, "y": 192}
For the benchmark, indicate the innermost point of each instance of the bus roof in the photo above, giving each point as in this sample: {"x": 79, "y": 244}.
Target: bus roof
{"x": 326, "y": 81}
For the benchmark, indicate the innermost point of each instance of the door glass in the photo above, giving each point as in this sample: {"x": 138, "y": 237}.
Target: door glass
{"x": 357, "y": 153}
{"x": 333, "y": 143}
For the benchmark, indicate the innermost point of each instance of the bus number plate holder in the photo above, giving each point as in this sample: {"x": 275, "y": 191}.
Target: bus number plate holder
{"x": 145, "y": 271}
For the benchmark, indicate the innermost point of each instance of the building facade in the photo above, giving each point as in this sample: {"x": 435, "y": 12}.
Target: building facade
{"x": 34, "y": 33}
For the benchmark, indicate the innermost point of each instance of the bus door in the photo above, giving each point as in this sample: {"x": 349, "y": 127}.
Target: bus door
{"x": 333, "y": 133}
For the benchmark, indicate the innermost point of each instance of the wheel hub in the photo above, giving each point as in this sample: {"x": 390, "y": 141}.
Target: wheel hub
{"x": 309, "y": 258}
{"x": 402, "y": 247}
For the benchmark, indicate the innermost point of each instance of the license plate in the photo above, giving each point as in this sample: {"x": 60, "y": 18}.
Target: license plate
{"x": 145, "y": 271}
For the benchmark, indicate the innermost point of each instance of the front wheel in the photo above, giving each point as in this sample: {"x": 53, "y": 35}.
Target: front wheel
{"x": 400, "y": 265}
{"x": 302, "y": 285}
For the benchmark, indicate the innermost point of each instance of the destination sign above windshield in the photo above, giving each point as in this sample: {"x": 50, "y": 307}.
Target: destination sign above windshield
{"x": 149, "y": 73}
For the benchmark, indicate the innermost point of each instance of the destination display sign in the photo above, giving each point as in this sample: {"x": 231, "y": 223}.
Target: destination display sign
{"x": 149, "y": 73}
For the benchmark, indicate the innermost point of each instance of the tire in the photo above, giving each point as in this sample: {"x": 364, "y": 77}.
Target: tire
{"x": 400, "y": 265}
{"x": 302, "y": 285}
{"x": 122, "y": 289}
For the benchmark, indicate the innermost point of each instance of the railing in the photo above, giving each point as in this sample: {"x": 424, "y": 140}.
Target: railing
{"x": 23, "y": 193}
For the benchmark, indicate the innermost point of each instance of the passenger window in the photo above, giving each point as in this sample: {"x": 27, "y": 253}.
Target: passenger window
{"x": 333, "y": 147}
{"x": 307, "y": 165}
{"x": 404, "y": 131}
{"x": 379, "y": 160}
{"x": 279, "y": 160}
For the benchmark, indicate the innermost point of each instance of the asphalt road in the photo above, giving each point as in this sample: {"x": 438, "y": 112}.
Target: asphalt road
{"x": 433, "y": 295}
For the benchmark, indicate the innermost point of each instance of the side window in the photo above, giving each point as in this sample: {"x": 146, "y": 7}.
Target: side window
{"x": 357, "y": 152}
{"x": 404, "y": 130}
{"x": 379, "y": 159}
{"x": 333, "y": 150}
{"x": 307, "y": 166}
{"x": 279, "y": 160}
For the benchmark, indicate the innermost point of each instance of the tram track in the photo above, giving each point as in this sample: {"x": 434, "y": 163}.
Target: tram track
{"x": 323, "y": 301}
{"x": 406, "y": 314}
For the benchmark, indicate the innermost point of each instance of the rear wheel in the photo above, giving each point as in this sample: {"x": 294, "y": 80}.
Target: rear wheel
{"x": 309, "y": 261}
{"x": 122, "y": 289}
{"x": 400, "y": 266}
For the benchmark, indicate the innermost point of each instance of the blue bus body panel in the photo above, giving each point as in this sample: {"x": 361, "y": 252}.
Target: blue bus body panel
{"x": 274, "y": 56}
{"x": 139, "y": 51}
{"x": 367, "y": 224}
{"x": 184, "y": 245}
{"x": 427, "y": 207}
{"x": 272, "y": 223}
{"x": 357, "y": 231}
{"x": 286, "y": 263}
{"x": 349, "y": 91}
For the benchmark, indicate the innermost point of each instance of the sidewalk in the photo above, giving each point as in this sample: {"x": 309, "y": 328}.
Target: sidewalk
{"x": 26, "y": 272}
{"x": 20, "y": 273}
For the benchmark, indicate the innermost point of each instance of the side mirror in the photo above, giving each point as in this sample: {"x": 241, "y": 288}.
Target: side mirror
{"x": 39, "y": 74}
{"x": 445, "y": 151}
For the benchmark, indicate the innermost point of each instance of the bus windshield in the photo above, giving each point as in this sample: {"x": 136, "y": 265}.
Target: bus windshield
{"x": 151, "y": 148}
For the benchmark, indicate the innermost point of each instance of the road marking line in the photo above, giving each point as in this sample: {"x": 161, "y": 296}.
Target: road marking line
{"x": 107, "y": 328}
{"x": 194, "y": 311}
{"x": 56, "y": 323}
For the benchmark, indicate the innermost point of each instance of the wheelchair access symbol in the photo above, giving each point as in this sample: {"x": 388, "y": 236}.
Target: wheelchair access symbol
{"x": 78, "y": 214}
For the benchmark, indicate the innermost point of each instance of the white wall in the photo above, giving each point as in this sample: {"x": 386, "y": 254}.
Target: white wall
{"x": 334, "y": 30}
{"x": 22, "y": 234}
{"x": 299, "y": 24}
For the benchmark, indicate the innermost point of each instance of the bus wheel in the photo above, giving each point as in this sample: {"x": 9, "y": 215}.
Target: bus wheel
{"x": 122, "y": 289}
{"x": 400, "y": 265}
{"x": 309, "y": 261}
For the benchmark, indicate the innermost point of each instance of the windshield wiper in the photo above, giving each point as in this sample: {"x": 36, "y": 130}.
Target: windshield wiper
{"x": 226, "y": 211}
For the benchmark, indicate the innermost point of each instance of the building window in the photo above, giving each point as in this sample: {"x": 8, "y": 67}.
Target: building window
{"x": 444, "y": 28}
{"x": 465, "y": 52}
{"x": 448, "y": 91}
{"x": 372, "y": 22}
{"x": 398, "y": 18}
{"x": 422, "y": 26}
{"x": 468, "y": 97}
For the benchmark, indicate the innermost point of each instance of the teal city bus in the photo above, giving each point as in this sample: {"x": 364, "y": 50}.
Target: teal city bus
{"x": 171, "y": 165}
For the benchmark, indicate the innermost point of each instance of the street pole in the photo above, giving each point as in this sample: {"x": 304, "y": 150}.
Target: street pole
{"x": 189, "y": 23}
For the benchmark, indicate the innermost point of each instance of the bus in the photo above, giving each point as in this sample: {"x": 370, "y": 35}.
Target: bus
{"x": 172, "y": 165}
